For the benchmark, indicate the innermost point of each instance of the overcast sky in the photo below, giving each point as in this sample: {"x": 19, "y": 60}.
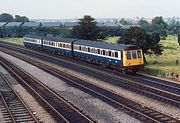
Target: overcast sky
{"x": 64, "y": 9}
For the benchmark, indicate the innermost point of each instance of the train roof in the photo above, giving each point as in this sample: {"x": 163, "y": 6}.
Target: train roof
{"x": 65, "y": 40}
{"x": 89, "y": 43}
{"x": 33, "y": 36}
{"x": 105, "y": 45}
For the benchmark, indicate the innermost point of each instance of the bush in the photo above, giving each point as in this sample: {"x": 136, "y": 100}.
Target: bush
{"x": 163, "y": 38}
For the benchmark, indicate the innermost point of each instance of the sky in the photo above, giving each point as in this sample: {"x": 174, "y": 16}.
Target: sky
{"x": 66, "y": 9}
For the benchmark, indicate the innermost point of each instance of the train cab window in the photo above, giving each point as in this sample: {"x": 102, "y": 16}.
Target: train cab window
{"x": 116, "y": 54}
{"x": 128, "y": 55}
{"x": 109, "y": 53}
{"x": 139, "y": 54}
{"x": 104, "y": 52}
{"x": 134, "y": 55}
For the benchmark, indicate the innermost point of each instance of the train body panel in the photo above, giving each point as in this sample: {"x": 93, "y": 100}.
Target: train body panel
{"x": 132, "y": 58}
{"x": 30, "y": 44}
{"x": 99, "y": 58}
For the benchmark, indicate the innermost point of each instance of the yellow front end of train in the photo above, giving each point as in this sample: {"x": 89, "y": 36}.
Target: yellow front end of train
{"x": 133, "y": 59}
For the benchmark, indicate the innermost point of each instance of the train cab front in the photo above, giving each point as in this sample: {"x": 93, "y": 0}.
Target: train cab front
{"x": 132, "y": 60}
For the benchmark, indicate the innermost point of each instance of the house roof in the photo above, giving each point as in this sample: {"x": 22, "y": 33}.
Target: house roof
{"x": 31, "y": 24}
{"x": 14, "y": 24}
{"x": 2, "y": 23}
{"x": 51, "y": 24}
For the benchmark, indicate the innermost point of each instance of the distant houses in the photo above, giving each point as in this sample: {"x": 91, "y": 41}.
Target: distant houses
{"x": 68, "y": 25}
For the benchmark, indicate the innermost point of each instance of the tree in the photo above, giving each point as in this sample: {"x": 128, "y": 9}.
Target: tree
{"x": 111, "y": 31}
{"x": 19, "y": 18}
{"x": 1, "y": 32}
{"x": 159, "y": 26}
{"x": 123, "y": 21}
{"x": 179, "y": 39}
{"x": 86, "y": 29}
{"x": 5, "y": 17}
{"x": 159, "y": 21}
{"x": 142, "y": 22}
{"x": 148, "y": 43}
{"x": 144, "y": 25}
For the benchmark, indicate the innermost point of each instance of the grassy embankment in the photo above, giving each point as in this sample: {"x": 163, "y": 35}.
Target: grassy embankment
{"x": 13, "y": 40}
{"x": 166, "y": 63}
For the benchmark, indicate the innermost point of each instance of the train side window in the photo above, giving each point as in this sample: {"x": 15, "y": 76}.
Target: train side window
{"x": 98, "y": 51}
{"x": 139, "y": 54}
{"x": 67, "y": 45}
{"x": 109, "y": 53}
{"x": 104, "y": 52}
{"x": 101, "y": 52}
{"x": 128, "y": 55}
{"x": 88, "y": 49}
{"x": 60, "y": 45}
{"x": 80, "y": 48}
{"x": 134, "y": 55}
{"x": 64, "y": 45}
{"x": 116, "y": 54}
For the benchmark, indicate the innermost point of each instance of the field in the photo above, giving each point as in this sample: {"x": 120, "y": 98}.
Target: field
{"x": 166, "y": 63}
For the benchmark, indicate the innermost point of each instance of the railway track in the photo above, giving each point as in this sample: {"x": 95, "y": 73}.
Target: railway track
{"x": 166, "y": 92}
{"x": 13, "y": 108}
{"x": 58, "y": 107}
{"x": 136, "y": 109}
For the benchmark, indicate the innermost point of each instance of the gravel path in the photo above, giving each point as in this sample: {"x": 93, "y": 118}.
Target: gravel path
{"x": 39, "y": 111}
{"x": 93, "y": 107}
{"x": 1, "y": 118}
{"x": 3, "y": 72}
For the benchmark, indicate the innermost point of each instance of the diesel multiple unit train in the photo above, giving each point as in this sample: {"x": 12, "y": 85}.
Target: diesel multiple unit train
{"x": 118, "y": 56}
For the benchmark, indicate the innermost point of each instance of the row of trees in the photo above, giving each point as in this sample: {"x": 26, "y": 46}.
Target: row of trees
{"x": 19, "y": 31}
{"x": 5, "y": 17}
{"x": 158, "y": 25}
